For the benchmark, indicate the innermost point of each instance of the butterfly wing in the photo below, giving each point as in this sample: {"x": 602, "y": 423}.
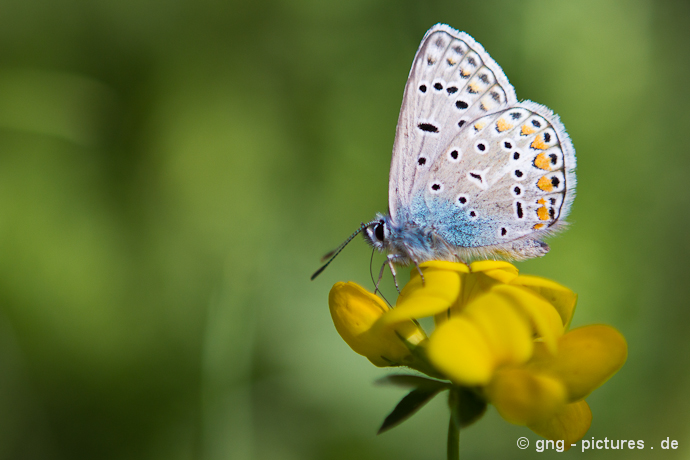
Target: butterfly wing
{"x": 453, "y": 81}
{"x": 487, "y": 174}
{"x": 511, "y": 182}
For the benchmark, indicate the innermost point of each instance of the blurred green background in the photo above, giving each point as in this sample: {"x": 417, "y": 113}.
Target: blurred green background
{"x": 171, "y": 172}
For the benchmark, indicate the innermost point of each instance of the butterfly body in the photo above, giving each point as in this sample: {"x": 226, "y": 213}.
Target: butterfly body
{"x": 474, "y": 173}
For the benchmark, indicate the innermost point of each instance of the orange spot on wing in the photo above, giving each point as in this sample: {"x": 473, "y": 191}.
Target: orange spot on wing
{"x": 464, "y": 74}
{"x": 479, "y": 125}
{"x": 543, "y": 213}
{"x": 474, "y": 88}
{"x": 502, "y": 125}
{"x": 545, "y": 184}
{"x": 542, "y": 161}
{"x": 538, "y": 226}
{"x": 526, "y": 130}
{"x": 539, "y": 143}
{"x": 541, "y": 201}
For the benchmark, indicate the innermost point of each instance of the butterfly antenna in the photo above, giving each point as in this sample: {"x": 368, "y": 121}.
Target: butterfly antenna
{"x": 334, "y": 253}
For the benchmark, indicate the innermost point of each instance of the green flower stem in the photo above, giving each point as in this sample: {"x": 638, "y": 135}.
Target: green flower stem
{"x": 453, "y": 439}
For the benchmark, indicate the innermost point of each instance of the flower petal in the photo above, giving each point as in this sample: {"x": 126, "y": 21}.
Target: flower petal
{"x": 485, "y": 265}
{"x": 587, "y": 357}
{"x": 501, "y": 271}
{"x": 544, "y": 317}
{"x": 444, "y": 265}
{"x": 505, "y": 327}
{"x": 459, "y": 351}
{"x": 570, "y": 425}
{"x": 525, "y": 398}
{"x": 355, "y": 312}
{"x": 562, "y": 298}
{"x": 485, "y": 275}
{"x": 419, "y": 300}
{"x": 355, "y": 308}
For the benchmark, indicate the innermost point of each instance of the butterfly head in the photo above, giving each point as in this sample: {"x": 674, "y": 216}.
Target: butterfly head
{"x": 377, "y": 234}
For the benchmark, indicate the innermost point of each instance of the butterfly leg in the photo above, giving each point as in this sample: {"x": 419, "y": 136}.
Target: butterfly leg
{"x": 392, "y": 258}
{"x": 389, "y": 262}
{"x": 383, "y": 267}
{"x": 419, "y": 270}
{"x": 393, "y": 272}
{"x": 459, "y": 259}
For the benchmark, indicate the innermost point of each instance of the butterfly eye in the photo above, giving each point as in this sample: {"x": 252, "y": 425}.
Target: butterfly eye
{"x": 378, "y": 231}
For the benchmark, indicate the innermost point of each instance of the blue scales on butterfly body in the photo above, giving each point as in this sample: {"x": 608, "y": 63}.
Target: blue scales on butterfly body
{"x": 475, "y": 173}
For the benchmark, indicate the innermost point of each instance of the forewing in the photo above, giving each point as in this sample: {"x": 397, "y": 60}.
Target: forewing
{"x": 453, "y": 82}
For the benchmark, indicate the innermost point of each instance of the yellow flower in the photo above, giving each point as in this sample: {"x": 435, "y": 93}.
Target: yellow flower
{"x": 355, "y": 313}
{"x": 500, "y": 334}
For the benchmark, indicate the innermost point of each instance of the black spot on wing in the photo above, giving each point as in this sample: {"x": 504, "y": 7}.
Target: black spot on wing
{"x": 428, "y": 127}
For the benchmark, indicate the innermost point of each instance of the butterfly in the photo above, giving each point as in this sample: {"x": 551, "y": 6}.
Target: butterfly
{"x": 475, "y": 173}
